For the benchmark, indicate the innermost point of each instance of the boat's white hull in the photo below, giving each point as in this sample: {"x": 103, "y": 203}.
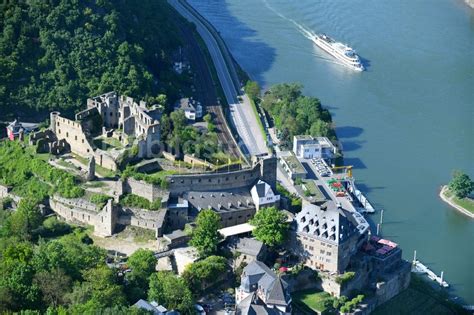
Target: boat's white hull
{"x": 321, "y": 44}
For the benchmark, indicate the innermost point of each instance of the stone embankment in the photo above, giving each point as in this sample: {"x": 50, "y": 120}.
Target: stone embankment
{"x": 451, "y": 203}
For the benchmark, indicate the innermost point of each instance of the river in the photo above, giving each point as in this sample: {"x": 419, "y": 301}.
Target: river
{"x": 405, "y": 124}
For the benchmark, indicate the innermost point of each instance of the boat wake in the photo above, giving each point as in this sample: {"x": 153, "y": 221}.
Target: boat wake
{"x": 303, "y": 30}
{"x": 309, "y": 34}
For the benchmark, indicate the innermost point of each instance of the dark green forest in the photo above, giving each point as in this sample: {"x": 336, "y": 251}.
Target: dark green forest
{"x": 54, "y": 54}
{"x": 296, "y": 114}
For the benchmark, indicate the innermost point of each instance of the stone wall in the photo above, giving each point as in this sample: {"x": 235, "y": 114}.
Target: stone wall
{"x": 80, "y": 210}
{"x": 212, "y": 181}
{"x": 5, "y": 192}
{"x": 264, "y": 169}
{"x": 72, "y": 132}
{"x": 105, "y": 220}
{"x": 105, "y": 160}
{"x": 195, "y": 161}
{"x": 143, "y": 189}
{"x": 169, "y": 156}
{"x": 150, "y": 220}
{"x": 395, "y": 283}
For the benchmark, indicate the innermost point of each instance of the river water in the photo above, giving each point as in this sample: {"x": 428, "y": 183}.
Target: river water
{"x": 405, "y": 124}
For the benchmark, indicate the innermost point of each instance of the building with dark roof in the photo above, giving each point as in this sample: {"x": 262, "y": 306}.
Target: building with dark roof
{"x": 263, "y": 195}
{"x": 192, "y": 109}
{"x": 262, "y": 291}
{"x": 326, "y": 236}
{"x": 249, "y": 249}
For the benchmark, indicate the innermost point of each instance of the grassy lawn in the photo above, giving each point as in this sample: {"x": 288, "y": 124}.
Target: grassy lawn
{"x": 108, "y": 143}
{"x": 419, "y": 298}
{"x": 102, "y": 171}
{"x": 312, "y": 299}
{"x": 466, "y": 203}
{"x": 257, "y": 116}
{"x": 139, "y": 235}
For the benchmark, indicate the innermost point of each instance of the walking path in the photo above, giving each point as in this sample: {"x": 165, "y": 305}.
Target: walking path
{"x": 452, "y": 204}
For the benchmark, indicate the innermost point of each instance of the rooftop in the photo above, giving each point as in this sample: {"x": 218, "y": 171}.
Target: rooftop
{"x": 314, "y": 191}
{"x": 379, "y": 247}
{"x": 249, "y": 246}
{"x": 236, "y": 230}
{"x": 293, "y": 163}
{"x": 329, "y": 222}
{"x": 186, "y": 103}
{"x": 275, "y": 289}
{"x": 220, "y": 201}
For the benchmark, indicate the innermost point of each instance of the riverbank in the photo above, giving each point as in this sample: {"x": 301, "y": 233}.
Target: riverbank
{"x": 447, "y": 197}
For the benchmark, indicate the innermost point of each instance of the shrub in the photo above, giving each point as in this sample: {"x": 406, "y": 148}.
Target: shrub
{"x": 346, "y": 277}
{"x": 135, "y": 201}
{"x": 99, "y": 199}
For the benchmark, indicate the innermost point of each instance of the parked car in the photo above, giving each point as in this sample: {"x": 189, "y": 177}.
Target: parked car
{"x": 199, "y": 309}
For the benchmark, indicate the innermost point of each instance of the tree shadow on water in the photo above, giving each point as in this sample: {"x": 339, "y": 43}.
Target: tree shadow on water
{"x": 348, "y": 132}
{"x": 253, "y": 55}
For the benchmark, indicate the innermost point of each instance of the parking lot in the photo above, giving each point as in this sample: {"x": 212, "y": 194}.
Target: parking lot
{"x": 321, "y": 167}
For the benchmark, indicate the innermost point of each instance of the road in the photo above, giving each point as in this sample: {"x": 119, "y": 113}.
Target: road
{"x": 242, "y": 114}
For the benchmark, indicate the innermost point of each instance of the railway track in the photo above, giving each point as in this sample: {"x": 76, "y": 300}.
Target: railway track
{"x": 206, "y": 89}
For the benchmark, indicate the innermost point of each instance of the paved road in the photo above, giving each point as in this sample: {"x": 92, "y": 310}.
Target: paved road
{"x": 241, "y": 113}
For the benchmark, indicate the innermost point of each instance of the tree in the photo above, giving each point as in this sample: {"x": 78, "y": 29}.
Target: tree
{"x": 142, "y": 263}
{"x": 165, "y": 125}
{"x": 204, "y": 273}
{"x": 461, "y": 184}
{"x": 206, "y": 235}
{"x": 178, "y": 118}
{"x": 26, "y": 219}
{"x": 54, "y": 285}
{"x": 207, "y": 118}
{"x": 270, "y": 226}
{"x": 16, "y": 277}
{"x": 99, "y": 290}
{"x": 252, "y": 88}
{"x": 170, "y": 291}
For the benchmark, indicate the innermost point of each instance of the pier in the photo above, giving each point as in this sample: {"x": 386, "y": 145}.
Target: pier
{"x": 367, "y": 207}
{"x": 419, "y": 267}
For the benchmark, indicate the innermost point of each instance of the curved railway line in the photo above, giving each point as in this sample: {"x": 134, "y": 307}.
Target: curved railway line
{"x": 206, "y": 89}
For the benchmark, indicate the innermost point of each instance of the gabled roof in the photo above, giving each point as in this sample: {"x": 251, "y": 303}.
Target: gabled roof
{"x": 252, "y": 305}
{"x": 263, "y": 277}
{"x": 249, "y": 246}
{"x": 279, "y": 295}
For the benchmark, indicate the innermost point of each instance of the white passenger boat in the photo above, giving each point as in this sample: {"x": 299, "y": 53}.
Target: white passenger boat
{"x": 340, "y": 51}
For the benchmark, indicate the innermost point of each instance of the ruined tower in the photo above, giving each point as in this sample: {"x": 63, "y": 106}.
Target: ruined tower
{"x": 91, "y": 169}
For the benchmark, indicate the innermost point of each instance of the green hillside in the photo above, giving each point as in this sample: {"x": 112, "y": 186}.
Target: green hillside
{"x": 55, "y": 54}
